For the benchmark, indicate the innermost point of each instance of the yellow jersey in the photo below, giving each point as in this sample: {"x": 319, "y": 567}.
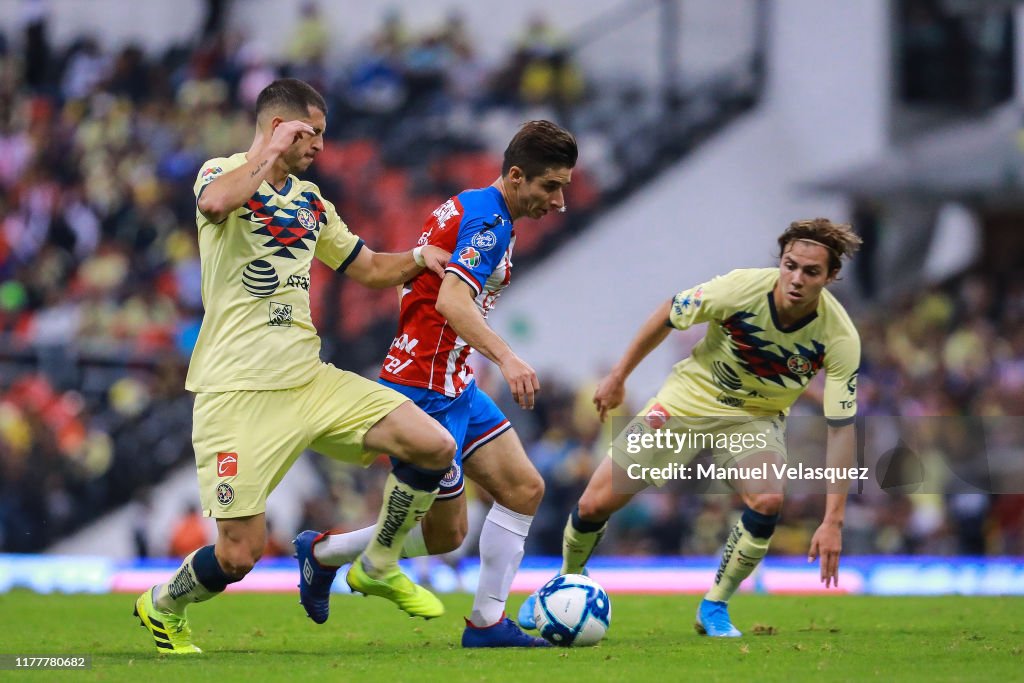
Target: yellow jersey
{"x": 257, "y": 331}
{"x": 748, "y": 363}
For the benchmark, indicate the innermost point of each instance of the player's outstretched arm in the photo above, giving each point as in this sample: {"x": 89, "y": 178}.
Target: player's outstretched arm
{"x": 387, "y": 270}
{"x": 611, "y": 390}
{"x": 455, "y": 301}
{"x": 827, "y": 541}
{"x": 231, "y": 190}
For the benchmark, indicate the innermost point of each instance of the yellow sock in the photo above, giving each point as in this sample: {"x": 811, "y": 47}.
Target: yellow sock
{"x": 578, "y": 546}
{"x": 743, "y": 552}
{"x": 401, "y": 511}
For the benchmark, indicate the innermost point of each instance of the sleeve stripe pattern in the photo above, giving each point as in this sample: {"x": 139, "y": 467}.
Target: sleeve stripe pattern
{"x": 465, "y": 275}
{"x": 352, "y": 256}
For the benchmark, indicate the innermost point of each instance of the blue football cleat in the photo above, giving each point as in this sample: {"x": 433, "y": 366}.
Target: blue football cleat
{"x": 713, "y": 620}
{"x": 505, "y": 633}
{"x": 315, "y": 579}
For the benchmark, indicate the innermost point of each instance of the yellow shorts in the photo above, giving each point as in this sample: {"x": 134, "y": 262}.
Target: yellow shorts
{"x": 663, "y": 438}
{"x": 245, "y": 441}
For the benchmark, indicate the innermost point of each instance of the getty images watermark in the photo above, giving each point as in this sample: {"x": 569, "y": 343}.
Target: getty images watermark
{"x": 663, "y": 441}
{"x": 891, "y": 455}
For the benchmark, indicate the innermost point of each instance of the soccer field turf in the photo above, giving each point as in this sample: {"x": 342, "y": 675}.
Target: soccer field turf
{"x": 268, "y": 638}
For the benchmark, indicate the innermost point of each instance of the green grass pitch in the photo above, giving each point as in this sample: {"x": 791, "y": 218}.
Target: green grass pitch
{"x": 255, "y": 638}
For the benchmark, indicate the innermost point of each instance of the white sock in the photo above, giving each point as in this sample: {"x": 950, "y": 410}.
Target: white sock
{"x": 501, "y": 550}
{"x": 335, "y": 550}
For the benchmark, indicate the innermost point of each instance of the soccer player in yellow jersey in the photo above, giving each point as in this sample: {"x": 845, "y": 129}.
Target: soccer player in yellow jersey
{"x": 770, "y": 330}
{"x": 262, "y": 393}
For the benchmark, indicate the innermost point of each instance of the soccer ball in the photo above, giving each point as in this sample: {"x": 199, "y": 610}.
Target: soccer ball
{"x": 572, "y": 610}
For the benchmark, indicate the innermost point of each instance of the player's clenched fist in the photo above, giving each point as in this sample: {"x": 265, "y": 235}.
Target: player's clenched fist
{"x": 287, "y": 134}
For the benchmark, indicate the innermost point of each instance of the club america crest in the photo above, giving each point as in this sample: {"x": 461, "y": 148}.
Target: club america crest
{"x": 798, "y": 365}
{"x": 225, "y": 494}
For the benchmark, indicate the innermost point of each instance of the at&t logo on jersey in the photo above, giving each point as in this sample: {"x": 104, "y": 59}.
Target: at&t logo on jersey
{"x": 469, "y": 257}
{"x": 260, "y": 279}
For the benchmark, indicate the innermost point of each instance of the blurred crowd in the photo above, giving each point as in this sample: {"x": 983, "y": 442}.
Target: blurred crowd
{"x": 100, "y": 298}
{"x": 100, "y": 290}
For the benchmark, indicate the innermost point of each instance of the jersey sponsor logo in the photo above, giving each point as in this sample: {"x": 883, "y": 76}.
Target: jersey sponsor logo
{"x": 290, "y": 227}
{"x": 182, "y": 583}
{"x": 451, "y": 477}
{"x": 657, "y": 416}
{"x": 851, "y": 384}
{"x": 798, "y": 364}
{"x": 756, "y": 357}
{"x": 260, "y": 279}
{"x": 401, "y": 344}
{"x": 225, "y": 494}
{"x": 211, "y": 173}
{"x": 280, "y": 314}
{"x": 300, "y": 281}
{"x": 682, "y": 302}
{"x": 446, "y": 212}
{"x": 484, "y": 241}
{"x": 730, "y": 548}
{"x": 725, "y": 376}
{"x": 731, "y": 401}
{"x": 634, "y": 429}
{"x": 469, "y": 257}
{"x": 227, "y": 464}
{"x": 398, "y": 510}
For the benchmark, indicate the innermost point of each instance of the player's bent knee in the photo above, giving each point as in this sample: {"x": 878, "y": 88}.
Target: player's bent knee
{"x": 594, "y": 509}
{"x": 767, "y": 503}
{"x": 434, "y": 450}
{"x": 446, "y": 540}
{"x": 237, "y": 556}
{"x": 238, "y": 562}
{"x": 531, "y": 492}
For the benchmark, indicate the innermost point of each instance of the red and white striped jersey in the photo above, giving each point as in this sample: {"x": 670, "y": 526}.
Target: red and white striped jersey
{"x": 475, "y": 226}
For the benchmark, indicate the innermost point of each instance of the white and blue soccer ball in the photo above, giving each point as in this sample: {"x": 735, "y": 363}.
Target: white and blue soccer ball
{"x": 572, "y": 610}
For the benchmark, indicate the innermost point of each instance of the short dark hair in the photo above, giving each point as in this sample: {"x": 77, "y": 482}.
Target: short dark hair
{"x": 289, "y": 94}
{"x": 538, "y": 146}
{"x": 839, "y": 239}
